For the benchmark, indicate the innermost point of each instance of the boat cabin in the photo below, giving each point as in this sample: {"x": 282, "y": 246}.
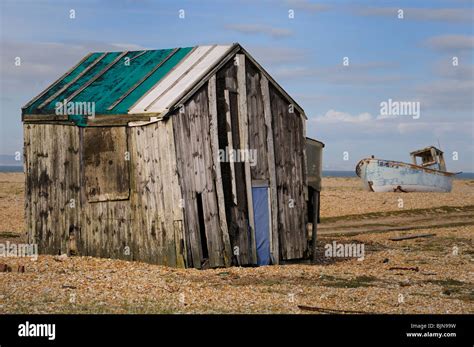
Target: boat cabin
{"x": 429, "y": 157}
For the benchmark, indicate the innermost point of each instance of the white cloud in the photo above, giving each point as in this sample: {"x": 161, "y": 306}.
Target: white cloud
{"x": 438, "y": 129}
{"x": 451, "y": 42}
{"x": 462, "y": 72}
{"x": 447, "y": 95}
{"x": 333, "y": 116}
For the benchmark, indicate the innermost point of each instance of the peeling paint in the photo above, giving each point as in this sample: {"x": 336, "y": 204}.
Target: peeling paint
{"x": 381, "y": 175}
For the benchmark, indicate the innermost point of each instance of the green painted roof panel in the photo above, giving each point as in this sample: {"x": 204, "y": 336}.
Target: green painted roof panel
{"x": 120, "y": 78}
{"x": 156, "y": 76}
{"x": 61, "y": 83}
{"x": 122, "y": 84}
{"x": 109, "y": 57}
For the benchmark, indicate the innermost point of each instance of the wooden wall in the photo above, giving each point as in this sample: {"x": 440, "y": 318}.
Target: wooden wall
{"x": 289, "y": 142}
{"x": 196, "y": 161}
{"x": 233, "y": 173}
{"x": 52, "y": 186}
{"x": 148, "y": 226}
{"x": 157, "y": 210}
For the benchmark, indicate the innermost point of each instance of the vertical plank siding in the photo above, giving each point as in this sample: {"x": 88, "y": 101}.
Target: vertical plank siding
{"x": 291, "y": 177}
{"x": 156, "y": 195}
{"x": 52, "y": 192}
{"x": 235, "y": 201}
{"x": 274, "y": 241}
{"x": 245, "y": 146}
{"x": 147, "y": 226}
{"x": 195, "y": 160}
{"x": 257, "y": 127}
{"x": 216, "y": 167}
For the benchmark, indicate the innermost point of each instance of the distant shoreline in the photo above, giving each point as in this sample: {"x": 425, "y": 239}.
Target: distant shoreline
{"x": 326, "y": 173}
{"x": 336, "y": 173}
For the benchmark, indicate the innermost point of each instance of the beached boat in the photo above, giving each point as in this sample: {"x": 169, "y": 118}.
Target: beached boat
{"x": 426, "y": 173}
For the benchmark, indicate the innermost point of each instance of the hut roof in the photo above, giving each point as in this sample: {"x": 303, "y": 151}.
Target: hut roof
{"x": 137, "y": 82}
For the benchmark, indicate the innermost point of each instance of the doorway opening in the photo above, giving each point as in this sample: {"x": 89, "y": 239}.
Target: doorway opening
{"x": 202, "y": 227}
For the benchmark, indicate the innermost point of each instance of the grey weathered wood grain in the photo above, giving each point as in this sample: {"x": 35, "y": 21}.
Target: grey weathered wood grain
{"x": 244, "y": 145}
{"x": 274, "y": 244}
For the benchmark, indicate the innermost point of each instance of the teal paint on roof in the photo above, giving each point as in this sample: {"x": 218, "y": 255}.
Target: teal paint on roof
{"x": 148, "y": 84}
{"x": 79, "y": 120}
{"x": 113, "y": 83}
{"x": 65, "y": 80}
{"x": 50, "y": 108}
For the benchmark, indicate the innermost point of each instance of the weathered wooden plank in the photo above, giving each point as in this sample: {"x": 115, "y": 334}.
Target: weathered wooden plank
{"x": 244, "y": 145}
{"x": 167, "y": 202}
{"x": 257, "y": 128}
{"x": 274, "y": 244}
{"x": 43, "y": 117}
{"x": 209, "y": 196}
{"x": 183, "y": 127}
{"x": 212, "y": 98}
{"x": 176, "y": 196}
{"x": 230, "y": 146}
{"x": 182, "y": 132}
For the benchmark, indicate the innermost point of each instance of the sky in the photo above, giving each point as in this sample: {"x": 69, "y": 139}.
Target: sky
{"x": 340, "y": 60}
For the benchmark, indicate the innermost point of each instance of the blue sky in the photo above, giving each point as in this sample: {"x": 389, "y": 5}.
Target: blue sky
{"x": 409, "y": 59}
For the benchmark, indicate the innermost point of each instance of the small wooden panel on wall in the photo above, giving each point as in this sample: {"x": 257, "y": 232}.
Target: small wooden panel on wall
{"x": 106, "y": 164}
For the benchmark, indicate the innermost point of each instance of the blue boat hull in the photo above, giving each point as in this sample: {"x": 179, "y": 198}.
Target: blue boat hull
{"x": 388, "y": 176}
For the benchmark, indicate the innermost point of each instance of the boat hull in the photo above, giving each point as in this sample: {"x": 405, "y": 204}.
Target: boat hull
{"x": 388, "y": 176}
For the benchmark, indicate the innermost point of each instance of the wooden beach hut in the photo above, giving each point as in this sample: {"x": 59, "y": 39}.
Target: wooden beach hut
{"x": 187, "y": 157}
